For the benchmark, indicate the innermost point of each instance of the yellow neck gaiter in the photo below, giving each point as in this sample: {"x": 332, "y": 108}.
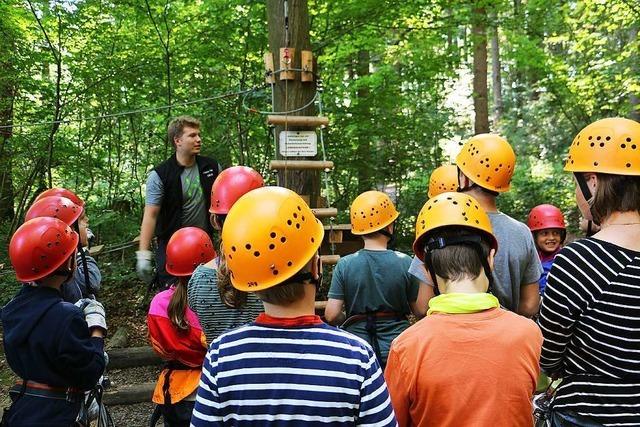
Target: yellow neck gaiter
{"x": 456, "y": 303}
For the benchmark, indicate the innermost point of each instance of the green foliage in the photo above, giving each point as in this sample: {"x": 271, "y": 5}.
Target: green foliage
{"x": 389, "y": 69}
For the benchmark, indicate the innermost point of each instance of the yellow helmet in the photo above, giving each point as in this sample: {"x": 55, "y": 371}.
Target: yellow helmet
{"x": 488, "y": 160}
{"x": 443, "y": 179}
{"x": 269, "y": 235}
{"x": 608, "y": 146}
{"x": 371, "y": 211}
{"x": 450, "y": 209}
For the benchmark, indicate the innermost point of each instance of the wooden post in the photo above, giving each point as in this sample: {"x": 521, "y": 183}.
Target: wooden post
{"x": 292, "y": 94}
{"x": 268, "y": 68}
{"x": 307, "y": 64}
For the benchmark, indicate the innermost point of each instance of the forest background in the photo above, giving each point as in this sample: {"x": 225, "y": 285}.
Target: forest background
{"x": 87, "y": 88}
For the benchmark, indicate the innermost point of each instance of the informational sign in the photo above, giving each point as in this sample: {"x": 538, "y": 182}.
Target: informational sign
{"x": 298, "y": 143}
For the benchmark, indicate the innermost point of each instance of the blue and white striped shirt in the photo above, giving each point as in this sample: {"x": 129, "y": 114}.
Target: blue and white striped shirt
{"x": 288, "y": 372}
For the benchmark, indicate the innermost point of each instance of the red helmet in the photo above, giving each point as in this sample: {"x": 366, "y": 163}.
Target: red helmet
{"x": 232, "y": 184}
{"x": 58, "y": 191}
{"x": 55, "y": 207}
{"x": 40, "y": 246}
{"x": 187, "y": 249}
{"x": 545, "y": 216}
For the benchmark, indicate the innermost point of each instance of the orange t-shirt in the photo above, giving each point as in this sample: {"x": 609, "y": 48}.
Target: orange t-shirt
{"x": 476, "y": 369}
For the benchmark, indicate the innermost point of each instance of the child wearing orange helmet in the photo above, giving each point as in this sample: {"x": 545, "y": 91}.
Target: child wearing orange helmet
{"x": 546, "y": 223}
{"x": 469, "y": 361}
{"x": 56, "y": 348}
{"x": 373, "y": 285}
{"x": 287, "y": 367}
{"x": 175, "y": 332}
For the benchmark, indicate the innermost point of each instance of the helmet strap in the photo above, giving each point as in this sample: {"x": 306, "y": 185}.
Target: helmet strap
{"x": 391, "y": 244}
{"x": 441, "y": 242}
{"x": 585, "y": 190}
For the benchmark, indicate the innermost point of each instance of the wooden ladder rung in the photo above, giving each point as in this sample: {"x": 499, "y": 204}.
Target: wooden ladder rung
{"x": 300, "y": 164}
{"x": 329, "y": 259}
{"x": 308, "y": 121}
{"x": 338, "y": 227}
{"x": 324, "y": 212}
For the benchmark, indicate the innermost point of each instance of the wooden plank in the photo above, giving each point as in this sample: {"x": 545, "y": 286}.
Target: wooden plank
{"x": 269, "y": 77}
{"x": 300, "y": 164}
{"x": 307, "y": 65}
{"x": 286, "y": 62}
{"x": 133, "y": 356}
{"x": 325, "y": 212}
{"x": 329, "y": 259}
{"x": 128, "y": 395}
{"x": 334, "y": 236}
{"x": 306, "y": 121}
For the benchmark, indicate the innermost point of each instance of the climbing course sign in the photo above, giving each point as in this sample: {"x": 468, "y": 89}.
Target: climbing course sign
{"x": 298, "y": 143}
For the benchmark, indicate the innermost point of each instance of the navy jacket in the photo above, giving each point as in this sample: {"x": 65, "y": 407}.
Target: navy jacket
{"x": 48, "y": 341}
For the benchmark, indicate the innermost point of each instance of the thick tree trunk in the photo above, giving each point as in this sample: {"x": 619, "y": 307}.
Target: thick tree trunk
{"x": 362, "y": 115}
{"x": 480, "y": 99}
{"x": 292, "y": 94}
{"x": 496, "y": 77}
{"x": 634, "y": 98}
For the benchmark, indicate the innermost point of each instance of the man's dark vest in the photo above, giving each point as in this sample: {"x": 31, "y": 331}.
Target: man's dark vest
{"x": 170, "y": 216}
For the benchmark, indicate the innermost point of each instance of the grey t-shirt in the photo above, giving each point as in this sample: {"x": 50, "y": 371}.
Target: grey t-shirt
{"x": 516, "y": 261}
{"x": 193, "y": 213}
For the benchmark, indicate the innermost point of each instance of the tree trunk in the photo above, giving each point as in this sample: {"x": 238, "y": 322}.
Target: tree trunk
{"x": 292, "y": 94}
{"x": 496, "y": 77}
{"x": 7, "y": 92}
{"x": 480, "y": 99}
{"x": 362, "y": 116}
{"x": 634, "y": 98}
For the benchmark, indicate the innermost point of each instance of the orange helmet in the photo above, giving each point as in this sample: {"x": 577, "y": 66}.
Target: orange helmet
{"x": 187, "y": 249}
{"x": 40, "y": 246}
{"x": 488, "y": 160}
{"x": 55, "y": 207}
{"x": 450, "y": 209}
{"x": 608, "y": 146}
{"x": 371, "y": 211}
{"x": 58, "y": 191}
{"x": 230, "y": 185}
{"x": 443, "y": 179}
{"x": 269, "y": 235}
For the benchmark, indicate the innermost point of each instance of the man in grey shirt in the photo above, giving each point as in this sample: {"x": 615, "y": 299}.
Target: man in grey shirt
{"x": 486, "y": 164}
{"x": 178, "y": 195}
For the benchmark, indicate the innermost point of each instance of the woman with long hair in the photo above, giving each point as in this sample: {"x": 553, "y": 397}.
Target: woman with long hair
{"x": 175, "y": 332}
{"x": 218, "y": 305}
{"x": 590, "y": 315}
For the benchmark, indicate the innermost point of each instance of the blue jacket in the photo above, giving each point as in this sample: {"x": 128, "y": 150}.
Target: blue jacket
{"x": 48, "y": 341}
{"x": 76, "y": 288}
{"x": 546, "y": 267}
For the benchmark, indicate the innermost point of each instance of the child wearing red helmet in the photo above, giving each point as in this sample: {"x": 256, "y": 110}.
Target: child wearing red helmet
{"x": 175, "y": 332}
{"x": 56, "y": 348}
{"x": 546, "y": 222}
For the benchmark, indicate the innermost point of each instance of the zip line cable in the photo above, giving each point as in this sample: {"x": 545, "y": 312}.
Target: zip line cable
{"x": 141, "y": 110}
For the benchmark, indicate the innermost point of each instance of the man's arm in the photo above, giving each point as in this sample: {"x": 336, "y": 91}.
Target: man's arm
{"x": 333, "y": 314}
{"x": 529, "y": 300}
{"x": 149, "y": 219}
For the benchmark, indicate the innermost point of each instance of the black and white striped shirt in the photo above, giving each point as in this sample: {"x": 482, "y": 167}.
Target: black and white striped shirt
{"x": 590, "y": 319}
